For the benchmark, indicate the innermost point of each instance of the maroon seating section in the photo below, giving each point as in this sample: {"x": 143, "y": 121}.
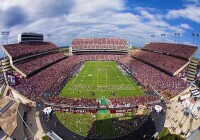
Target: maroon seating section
{"x": 30, "y": 65}
{"x": 24, "y": 49}
{"x": 101, "y": 57}
{"x": 165, "y": 62}
{"x": 154, "y": 78}
{"x": 132, "y": 101}
{"x": 50, "y": 78}
{"x": 179, "y": 50}
{"x": 99, "y": 43}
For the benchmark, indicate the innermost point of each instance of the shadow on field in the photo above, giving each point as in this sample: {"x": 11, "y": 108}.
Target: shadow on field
{"x": 109, "y": 128}
{"x": 120, "y": 129}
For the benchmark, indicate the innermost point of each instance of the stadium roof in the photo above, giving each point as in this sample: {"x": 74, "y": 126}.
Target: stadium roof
{"x": 8, "y": 118}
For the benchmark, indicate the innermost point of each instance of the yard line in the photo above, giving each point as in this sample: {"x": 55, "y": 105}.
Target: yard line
{"x": 127, "y": 79}
{"x": 75, "y": 78}
{"x": 73, "y": 82}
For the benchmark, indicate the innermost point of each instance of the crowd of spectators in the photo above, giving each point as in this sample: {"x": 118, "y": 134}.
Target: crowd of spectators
{"x": 101, "y": 57}
{"x": 154, "y": 78}
{"x": 179, "y": 50}
{"x": 30, "y": 65}
{"x": 165, "y": 62}
{"x": 124, "y": 126}
{"x": 73, "y": 102}
{"x": 24, "y": 49}
{"x": 134, "y": 101}
{"x": 51, "y": 78}
{"x": 99, "y": 43}
{"x": 38, "y": 84}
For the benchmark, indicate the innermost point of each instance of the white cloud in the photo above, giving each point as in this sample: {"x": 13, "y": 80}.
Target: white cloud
{"x": 69, "y": 19}
{"x": 190, "y": 12}
{"x": 185, "y": 26}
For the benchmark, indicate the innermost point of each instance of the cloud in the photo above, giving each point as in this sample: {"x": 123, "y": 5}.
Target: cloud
{"x": 69, "y": 19}
{"x": 13, "y": 16}
{"x": 185, "y": 26}
{"x": 190, "y": 12}
{"x": 40, "y": 8}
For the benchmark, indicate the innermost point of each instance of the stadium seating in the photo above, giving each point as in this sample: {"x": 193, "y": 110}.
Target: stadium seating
{"x": 20, "y": 50}
{"x": 178, "y": 50}
{"x": 154, "y": 78}
{"x": 50, "y": 78}
{"x": 99, "y": 43}
{"x": 101, "y": 57}
{"x": 30, "y": 65}
{"x": 165, "y": 62}
{"x": 134, "y": 101}
{"x": 71, "y": 102}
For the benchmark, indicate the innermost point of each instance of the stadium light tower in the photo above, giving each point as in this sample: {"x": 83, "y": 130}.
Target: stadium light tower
{"x": 5, "y": 35}
{"x": 152, "y": 38}
{"x": 175, "y": 34}
{"x": 163, "y": 37}
{"x": 197, "y": 35}
{"x": 178, "y": 37}
{"x": 193, "y": 35}
{"x": 49, "y": 35}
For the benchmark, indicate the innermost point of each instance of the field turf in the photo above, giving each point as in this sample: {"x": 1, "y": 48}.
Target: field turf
{"x": 98, "y": 79}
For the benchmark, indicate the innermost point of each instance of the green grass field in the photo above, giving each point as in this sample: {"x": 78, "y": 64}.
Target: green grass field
{"x": 98, "y": 125}
{"x": 102, "y": 78}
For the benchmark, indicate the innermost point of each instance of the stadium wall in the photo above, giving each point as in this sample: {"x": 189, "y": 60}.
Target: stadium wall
{"x": 179, "y": 70}
{"x": 181, "y": 94}
{"x": 22, "y": 98}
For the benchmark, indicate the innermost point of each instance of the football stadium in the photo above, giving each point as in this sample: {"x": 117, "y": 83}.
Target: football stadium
{"x": 102, "y": 89}
{"x": 100, "y": 86}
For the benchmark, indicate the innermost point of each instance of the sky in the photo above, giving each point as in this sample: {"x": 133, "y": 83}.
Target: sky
{"x": 134, "y": 20}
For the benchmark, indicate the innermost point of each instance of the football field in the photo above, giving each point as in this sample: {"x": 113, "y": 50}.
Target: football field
{"x": 101, "y": 79}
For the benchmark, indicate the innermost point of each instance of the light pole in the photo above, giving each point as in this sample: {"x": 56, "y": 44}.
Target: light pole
{"x": 163, "y": 36}
{"x": 5, "y": 35}
{"x": 197, "y": 35}
{"x": 178, "y": 34}
{"x": 49, "y": 35}
{"x": 152, "y": 38}
{"x": 193, "y": 35}
{"x": 175, "y": 34}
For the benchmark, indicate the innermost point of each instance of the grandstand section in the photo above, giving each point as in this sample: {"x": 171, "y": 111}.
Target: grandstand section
{"x": 23, "y": 50}
{"x": 47, "y": 80}
{"x": 33, "y": 64}
{"x": 154, "y": 79}
{"x": 26, "y": 58}
{"x": 177, "y": 50}
{"x": 174, "y": 59}
{"x": 169, "y": 64}
{"x": 103, "y": 45}
{"x": 101, "y": 57}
